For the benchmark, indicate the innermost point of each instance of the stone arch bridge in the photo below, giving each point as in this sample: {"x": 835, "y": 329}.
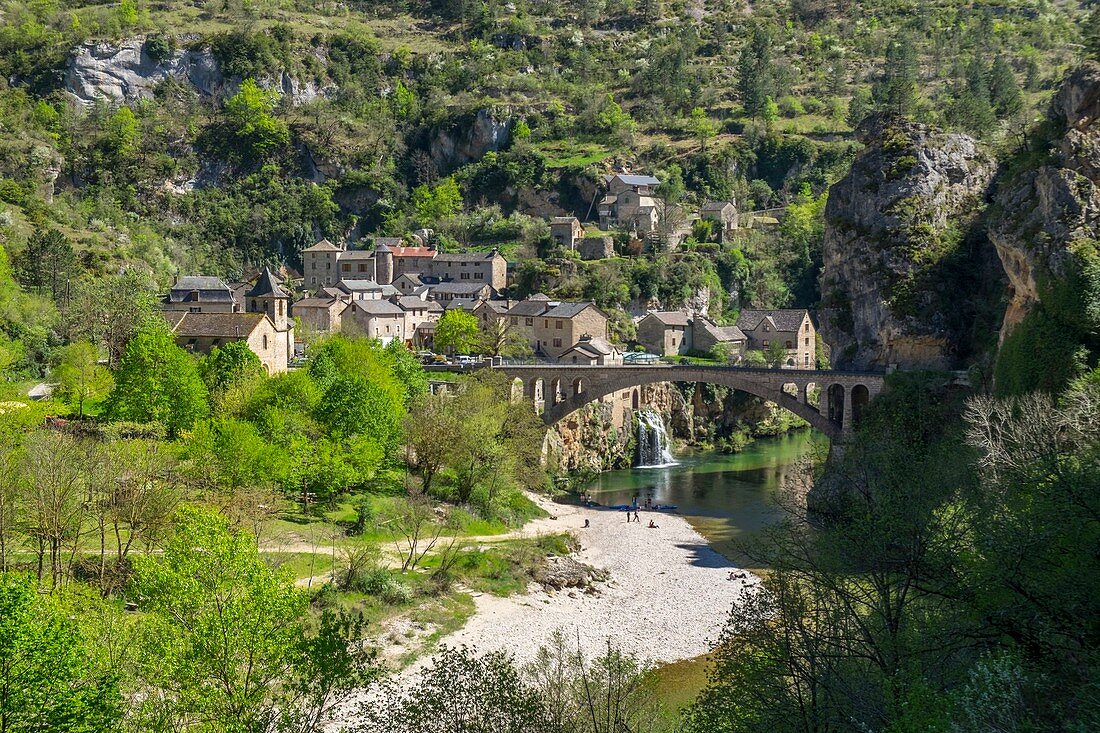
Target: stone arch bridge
{"x": 558, "y": 390}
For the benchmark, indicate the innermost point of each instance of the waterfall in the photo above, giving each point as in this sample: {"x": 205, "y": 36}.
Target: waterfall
{"x": 653, "y": 449}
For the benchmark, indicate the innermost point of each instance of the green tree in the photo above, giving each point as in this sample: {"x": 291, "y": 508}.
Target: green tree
{"x": 755, "y": 72}
{"x": 157, "y": 381}
{"x": 229, "y": 364}
{"x": 613, "y": 120}
{"x": 895, "y": 89}
{"x": 432, "y": 204}
{"x": 108, "y": 311}
{"x": 776, "y": 354}
{"x": 1004, "y": 90}
{"x": 226, "y": 644}
{"x": 52, "y": 677}
{"x": 407, "y": 369}
{"x": 249, "y": 112}
{"x": 457, "y": 332}
{"x": 80, "y": 376}
{"x": 123, "y": 132}
{"x": 702, "y": 127}
{"x": 48, "y": 263}
{"x": 128, "y": 13}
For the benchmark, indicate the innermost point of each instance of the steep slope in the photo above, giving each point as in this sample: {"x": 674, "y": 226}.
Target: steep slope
{"x": 899, "y": 247}
{"x": 1045, "y": 223}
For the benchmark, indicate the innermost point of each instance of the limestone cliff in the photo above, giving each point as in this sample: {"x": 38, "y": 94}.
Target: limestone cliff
{"x": 898, "y": 247}
{"x": 126, "y": 72}
{"x": 1045, "y": 224}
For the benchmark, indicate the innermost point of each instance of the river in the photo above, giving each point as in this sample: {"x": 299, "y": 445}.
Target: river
{"x": 729, "y": 499}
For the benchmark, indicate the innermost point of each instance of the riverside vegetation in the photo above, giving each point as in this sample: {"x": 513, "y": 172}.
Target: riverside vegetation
{"x": 197, "y": 546}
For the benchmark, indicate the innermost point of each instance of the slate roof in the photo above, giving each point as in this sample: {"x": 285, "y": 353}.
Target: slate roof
{"x": 323, "y": 246}
{"x": 721, "y": 333}
{"x": 466, "y": 304}
{"x": 357, "y": 254}
{"x": 786, "y": 319}
{"x": 378, "y": 308}
{"x": 218, "y": 325}
{"x": 637, "y": 180}
{"x": 316, "y": 303}
{"x": 387, "y": 242}
{"x": 568, "y": 310}
{"x": 670, "y": 318}
{"x": 498, "y": 306}
{"x": 466, "y": 256}
{"x": 410, "y": 302}
{"x": 716, "y": 205}
{"x": 267, "y": 286}
{"x": 592, "y": 346}
{"x": 459, "y": 287}
{"x": 564, "y": 220}
{"x": 529, "y": 307}
{"x": 210, "y": 290}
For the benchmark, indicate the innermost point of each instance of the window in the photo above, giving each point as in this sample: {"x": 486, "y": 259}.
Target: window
{"x": 313, "y": 265}
{"x": 528, "y": 321}
{"x": 464, "y": 276}
{"x": 557, "y": 343}
{"x": 479, "y": 276}
{"x": 253, "y": 304}
{"x": 265, "y": 342}
{"x": 546, "y": 323}
{"x": 194, "y": 295}
{"x": 194, "y": 309}
{"x": 765, "y": 342}
{"x": 515, "y": 321}
{"x": 557, "y": 325}
{"x": 279, "y": 306}
{"x": 807, "y": 359}
{"x": 346, "y": 267}
{"x": 328, "y": 265}
{"x": 766, "y": 329}
{"x": 807, "y": 341}
{"x": 362, "y": 267}
{"x": 313, "y": 281}
{"x": 790, "y": 345}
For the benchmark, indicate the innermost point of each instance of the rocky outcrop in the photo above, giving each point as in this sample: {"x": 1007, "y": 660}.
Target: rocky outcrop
{"x": 125, "y": 72}
{"x": 468, "y": 139}
{"x": 896, "y": 235}
{"x": 1044, "y": 212}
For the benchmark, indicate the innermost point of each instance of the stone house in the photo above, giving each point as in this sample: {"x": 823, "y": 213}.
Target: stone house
{"x": 417, "y": 312}
{"x": 200, "y": 333}
{"x": 563, "y": 324}
{"x": 358, "y": 264}
{"x": 706, "y": 334}
{"x": 378, "y": 319}
{"x": 596, "y": 248}
{"x": 321, "y": 264}
{"x": 630, "y": 202}
{"x": 791, "y": 327}
{"x": 590, "y": 351}
{"x": 566, "y": 231}
{"x": 722, "y": 212}
{"x": 408, "y": 260}
{"x": 201, "y": 294}
{"x": 521, "y": 316}
{"x": 408, "y": 284}
{"x": 267, "y": 296}
{"x": 320, "y": 314}
{"x": 366, "y": 290}
{"x": 665, "y": 333}
{"x": 476, "y": 267}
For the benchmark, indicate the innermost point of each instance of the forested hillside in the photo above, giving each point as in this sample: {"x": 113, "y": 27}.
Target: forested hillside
{"x": 167, "y": 138}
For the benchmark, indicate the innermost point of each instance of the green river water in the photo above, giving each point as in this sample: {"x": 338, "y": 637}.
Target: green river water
{"x": 728, "y": 498}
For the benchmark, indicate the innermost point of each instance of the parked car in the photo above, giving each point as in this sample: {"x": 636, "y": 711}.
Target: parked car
{"x": 463, "y": 360}
{"x": 439, "y": 359}
{"x": 425, "y": 357}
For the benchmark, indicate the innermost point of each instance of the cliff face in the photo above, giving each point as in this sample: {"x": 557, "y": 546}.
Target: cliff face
{"x": 1045, "y": 224}
{"x": 898, "y": 235}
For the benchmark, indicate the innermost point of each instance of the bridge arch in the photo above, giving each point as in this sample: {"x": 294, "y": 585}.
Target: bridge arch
{"x": 790, "y": 389}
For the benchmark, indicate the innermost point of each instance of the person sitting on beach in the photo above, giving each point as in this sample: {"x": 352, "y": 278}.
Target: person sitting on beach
{"x": 652, "y": 525}
{"x": 586, "y": 524}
